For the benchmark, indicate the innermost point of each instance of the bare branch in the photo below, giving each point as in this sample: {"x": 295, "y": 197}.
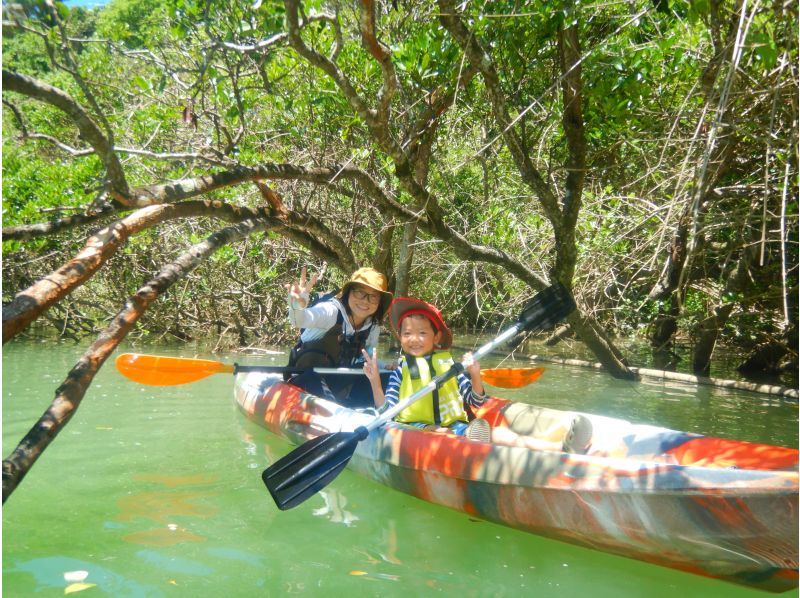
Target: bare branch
{"x": 88, "y": 128}
{"x": 41, "y": 229}
{"x": 69, "y": 395}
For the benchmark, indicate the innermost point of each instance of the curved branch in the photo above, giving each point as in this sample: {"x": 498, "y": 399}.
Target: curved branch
{"x": 381, "y": 53}
{"x": 188, "y": 188}
{"x": 41, "y": 229}
{"x": 71, "y": 392}
{"x": 88, "y": 128}
{"x": 30, "y": 303}
{"x": 18, "y": 116}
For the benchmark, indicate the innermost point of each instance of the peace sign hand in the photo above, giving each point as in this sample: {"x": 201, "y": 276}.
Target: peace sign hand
{"x": 371, "y": 366}
{"x": 298, "y": 292}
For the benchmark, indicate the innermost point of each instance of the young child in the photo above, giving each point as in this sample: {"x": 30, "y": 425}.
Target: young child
{"x": 425, "y": 340}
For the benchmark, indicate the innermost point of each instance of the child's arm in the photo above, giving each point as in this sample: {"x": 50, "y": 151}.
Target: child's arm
{"x": 372, "y": 371}
{"x": 473, "y": 368}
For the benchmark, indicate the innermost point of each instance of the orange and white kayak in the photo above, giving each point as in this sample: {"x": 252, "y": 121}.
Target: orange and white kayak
{"x": 715, "y": 507}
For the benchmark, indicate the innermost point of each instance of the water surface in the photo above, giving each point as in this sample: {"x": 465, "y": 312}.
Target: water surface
{"x": 156, "y": 491}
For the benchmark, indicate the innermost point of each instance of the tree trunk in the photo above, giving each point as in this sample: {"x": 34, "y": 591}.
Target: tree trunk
{"x": 764, "y": 360}
{"x": 662, "y": 335}
{"x": 707, "y": 339}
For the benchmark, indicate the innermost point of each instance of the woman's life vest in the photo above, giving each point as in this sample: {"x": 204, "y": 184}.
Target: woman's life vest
{"x": 444, "y": 405}
{"x": 334, "y": 349}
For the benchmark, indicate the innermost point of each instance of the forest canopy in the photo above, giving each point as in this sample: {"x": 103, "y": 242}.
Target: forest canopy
{"x": 641, "y": 153}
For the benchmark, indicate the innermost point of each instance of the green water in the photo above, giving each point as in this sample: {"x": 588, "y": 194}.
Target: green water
{"x": 156, "y": 491}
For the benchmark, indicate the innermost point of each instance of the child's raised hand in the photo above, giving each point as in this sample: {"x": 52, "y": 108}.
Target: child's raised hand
{"x": 298, "y": 292}
{"x": 470, "y": 364}
{"x": 371, "y": 367}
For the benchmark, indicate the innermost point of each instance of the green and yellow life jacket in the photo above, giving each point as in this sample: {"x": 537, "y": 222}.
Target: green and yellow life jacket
{"x": 444, "y": 405}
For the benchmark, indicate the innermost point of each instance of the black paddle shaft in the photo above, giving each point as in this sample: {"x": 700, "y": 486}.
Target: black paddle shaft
{"x": 314, "y": 464}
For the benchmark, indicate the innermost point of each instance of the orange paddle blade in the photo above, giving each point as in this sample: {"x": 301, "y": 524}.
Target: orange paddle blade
{"x": 511, "y": 377}
{"x": 157, "y": 370}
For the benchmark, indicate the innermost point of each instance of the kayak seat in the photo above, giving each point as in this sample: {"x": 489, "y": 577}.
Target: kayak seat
{"x": 572, "y": 429}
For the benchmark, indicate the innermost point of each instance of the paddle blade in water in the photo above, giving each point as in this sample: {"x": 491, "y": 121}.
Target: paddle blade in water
{"x": 511, "y": 377}
{"x": 310, "y": 467}
{"x": 158, "y": 370}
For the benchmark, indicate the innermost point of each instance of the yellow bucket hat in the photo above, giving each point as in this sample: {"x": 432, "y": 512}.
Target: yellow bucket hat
{"x": 370, "y": 277}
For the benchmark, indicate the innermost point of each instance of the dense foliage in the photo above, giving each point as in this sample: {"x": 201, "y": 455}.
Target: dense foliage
{"x": 687, "y": 223}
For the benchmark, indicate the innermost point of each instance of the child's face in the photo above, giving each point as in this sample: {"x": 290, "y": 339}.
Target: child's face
{"x": 418, "y": 336}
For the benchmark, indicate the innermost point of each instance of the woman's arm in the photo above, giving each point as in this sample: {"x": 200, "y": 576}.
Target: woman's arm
{"x": 298, "y": 301}
{"x": 322, "y": 315}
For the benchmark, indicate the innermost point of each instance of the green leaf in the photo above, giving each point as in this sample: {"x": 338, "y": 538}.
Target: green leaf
{"x": 141, "y": 82}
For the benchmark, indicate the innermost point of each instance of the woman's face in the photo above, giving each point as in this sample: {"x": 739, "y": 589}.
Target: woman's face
{"x": 418, "y": 336}
{"x": 363, "y": 302}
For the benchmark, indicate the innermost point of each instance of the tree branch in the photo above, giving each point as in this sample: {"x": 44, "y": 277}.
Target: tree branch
{"x": 380, "y": 53}
{"x": 41, "y": 229}
{"x": 30, "y": 303}
{"x": 88, "y": 128}
{"x": 69, "y": 395}
{"x": 480, "y": 59}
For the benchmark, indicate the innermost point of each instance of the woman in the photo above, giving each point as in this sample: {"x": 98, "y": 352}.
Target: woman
{"x": 335, "y": 330}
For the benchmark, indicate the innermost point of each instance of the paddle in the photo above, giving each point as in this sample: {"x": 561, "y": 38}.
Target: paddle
{"x": 158, "y": 370}
{"x": 314, "y": 464}
{"x": 511, "y": 377}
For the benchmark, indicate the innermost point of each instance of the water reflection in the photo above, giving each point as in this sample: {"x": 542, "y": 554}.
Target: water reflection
{"x": 53, "y": 572}
{"x": 335, "y": 509}
{"x": 163, "y": 506}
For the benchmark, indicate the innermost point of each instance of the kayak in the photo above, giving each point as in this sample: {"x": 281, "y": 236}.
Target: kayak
{"x": 721, "y": 508}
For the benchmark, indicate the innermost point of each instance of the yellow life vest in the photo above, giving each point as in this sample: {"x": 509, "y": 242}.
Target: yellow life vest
{"x": 446, "y": 397}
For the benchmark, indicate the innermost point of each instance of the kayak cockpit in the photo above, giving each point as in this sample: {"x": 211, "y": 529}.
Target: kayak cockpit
{"x": 620, "y": 439}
